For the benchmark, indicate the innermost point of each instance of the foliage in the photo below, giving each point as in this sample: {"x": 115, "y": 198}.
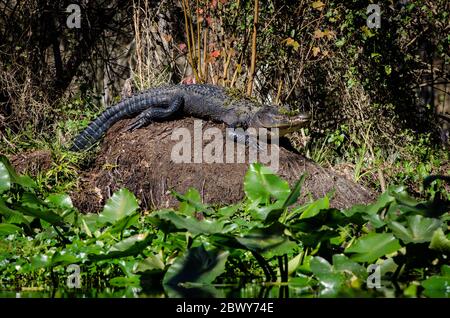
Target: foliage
{"x": 323, "y": 251}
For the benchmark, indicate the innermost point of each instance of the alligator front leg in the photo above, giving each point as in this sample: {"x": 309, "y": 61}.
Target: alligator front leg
{"x": 156, "y": 113}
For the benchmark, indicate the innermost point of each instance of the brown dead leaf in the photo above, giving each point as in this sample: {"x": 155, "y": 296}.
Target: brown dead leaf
{"x": 292, "y": 42}
{"x": 318, "y": 34}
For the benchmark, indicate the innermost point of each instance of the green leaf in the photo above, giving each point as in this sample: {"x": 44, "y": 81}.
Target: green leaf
{"x": 228, "y": 211}
{"x": 301, "y": 281}
{"x": 12, "y": 216}
{"x": 320, "y": 266}
{"x": 62, "y": 201}
{"x": 125, "y": 281}
{"x": 440, "y": 242}
{"x": 192, "y": 224}
{"x": 315, "y": 207}
{"x": 370, "y": 247}
{"x": 445, "y": 270}
{"x": 63, "y": 259}
{"x": 437, "y": 286}
{"x": 33, "y": 206}
{"x": 196, "y": 265}
{"x": 40, "y": 261}
{"x": 5, "y": 179}
{"x": 295, "y": 193}
{"x": 260, "y": 183}
{"x": 419, "y": 229}
{"x": 387, "y": 266}
{"x": 7, "y": 229}
{"x": 269, "y": 212}
{"x": 89, "y": 223}
{"x": 342, "y": 263}
{"x": 24, "y": 181}
{"x": 125, "y": 222}
{"x": 131, "y": 246}
{"x": 388, "y": 69}
{"x": 190, "y": 202}
{"x": 330, "y": 281}
{"x": 340, "y": 42}
{"x": 294, "y": 263}
{"x": 121, "y": 204}
{"x": 153, "y": 262}
{"x": 268, "y": 240}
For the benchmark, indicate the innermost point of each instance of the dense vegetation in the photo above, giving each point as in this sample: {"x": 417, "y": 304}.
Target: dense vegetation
{"x": 311, "y": 248}
{"x": 379, "y": 97}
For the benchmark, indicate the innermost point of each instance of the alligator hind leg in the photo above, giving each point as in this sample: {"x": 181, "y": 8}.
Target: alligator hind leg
{"x": 156, "y": 113}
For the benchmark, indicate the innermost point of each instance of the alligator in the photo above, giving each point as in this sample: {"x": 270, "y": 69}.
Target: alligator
{"x": 202, "y": 101}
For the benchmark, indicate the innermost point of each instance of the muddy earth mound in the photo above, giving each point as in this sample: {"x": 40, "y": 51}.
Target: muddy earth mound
{"x": 141, "y": 161}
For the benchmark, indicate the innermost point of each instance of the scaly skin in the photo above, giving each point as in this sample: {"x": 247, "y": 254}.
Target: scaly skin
{"x": 198, "y": 100}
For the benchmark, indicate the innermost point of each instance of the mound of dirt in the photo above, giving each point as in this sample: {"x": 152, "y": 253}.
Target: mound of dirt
{"x": 32, "y": 162}
{"x": 141, "y": 161}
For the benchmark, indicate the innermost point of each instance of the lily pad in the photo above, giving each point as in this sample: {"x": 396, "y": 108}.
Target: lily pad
{"x": 5, "y": 179}
{"x": 192, "y": 224}
{"x": 196, "y": 265}
{"x": 260, "y": 183}
{"x": 440, "y": 242}
{"x": 121, "y": 204}
{"x": 372, "y": 246}
{"x": 7, "y": 229}
{"x": 418, "y": 229}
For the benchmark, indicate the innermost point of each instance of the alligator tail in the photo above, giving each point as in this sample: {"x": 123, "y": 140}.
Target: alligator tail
{"x": 113, "y": 114}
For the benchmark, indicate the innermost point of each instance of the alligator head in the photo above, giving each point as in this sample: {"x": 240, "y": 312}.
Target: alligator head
{"x": 273, "y": 117}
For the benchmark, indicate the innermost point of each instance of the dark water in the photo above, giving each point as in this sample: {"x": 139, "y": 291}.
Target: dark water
{"x": 213, "y": 291}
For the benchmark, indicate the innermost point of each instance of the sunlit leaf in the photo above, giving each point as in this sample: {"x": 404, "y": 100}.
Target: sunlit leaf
{"x": 125, "y": 222}
{"x": 121, "y": 204}
{"x": 190, "y": 202}
{"x": 7, "y": 229}
{"x": 418, "y": 229}
{"x": 130, "y": 246}
{"x": 437, "y": 286}
{"x": 22, "y": 180}
{"x": 153, "y": 262}
{"x": 5, "y": 179}
{"x": 60, "y": 200}
{"x": 260, "y": 183}
{"x": 63, "y": 259}
{"x": 125, "y": 281}
{"x": 315, "y": 207}
{"x": 40, "y": 261}
{"x": 342, "y": 263}
{"x": 440, "y": 242}
{"x": 370, "y": 247}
